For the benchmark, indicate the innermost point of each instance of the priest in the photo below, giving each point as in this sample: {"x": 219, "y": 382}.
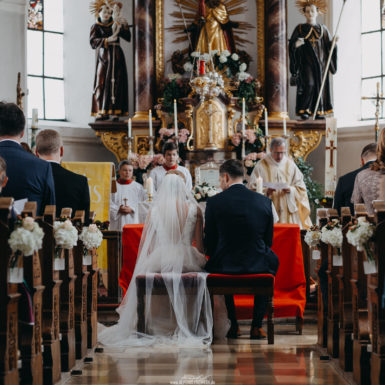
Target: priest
{"x": 124, "y": 203}
{"x": 171, "y": 156}
{"x": 283, "y": 183}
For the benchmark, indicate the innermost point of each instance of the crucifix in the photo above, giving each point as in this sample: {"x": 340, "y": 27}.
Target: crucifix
{"x": 379, "y": 100}
{"x": 125, "y": 202}
{"x": 331, "y": 148}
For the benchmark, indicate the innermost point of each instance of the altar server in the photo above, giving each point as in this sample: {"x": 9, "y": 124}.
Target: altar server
{"x": 124, "y": 203}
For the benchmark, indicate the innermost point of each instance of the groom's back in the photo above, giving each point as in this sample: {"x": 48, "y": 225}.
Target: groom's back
{"x": 239, "y": 233}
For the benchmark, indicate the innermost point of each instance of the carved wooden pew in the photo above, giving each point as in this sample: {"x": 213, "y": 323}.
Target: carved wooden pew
{"x": 67, "y": 307}
{"x": 345, "y": 297}
{"x": 333, "y": 297}
{"x": 321, "y": 307}
{"x": 9, "y": 298}
{"x": 30, "y": 336}
{"x": 92, "y": 297}
{"x": 375, "y": 291}
{"x": 80, "y": 291}
{"x": 361, "y": 373}
{"x": 51, "y": 300}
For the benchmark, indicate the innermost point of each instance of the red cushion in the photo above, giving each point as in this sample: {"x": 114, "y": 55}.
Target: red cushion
{"x": 253, "y": 280}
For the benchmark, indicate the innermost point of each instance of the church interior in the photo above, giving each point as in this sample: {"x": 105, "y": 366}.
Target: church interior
{"x": 134, "y": 93}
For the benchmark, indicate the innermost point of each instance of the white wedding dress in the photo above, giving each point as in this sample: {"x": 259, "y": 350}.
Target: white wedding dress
{"x": 183, "y": 316}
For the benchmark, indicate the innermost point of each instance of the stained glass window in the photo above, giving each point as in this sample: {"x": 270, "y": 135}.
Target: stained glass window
{"x": 45, "y": 59}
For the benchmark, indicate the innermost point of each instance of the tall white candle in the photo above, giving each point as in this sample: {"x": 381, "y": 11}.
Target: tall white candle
{"x": 129, "y": 128}
{"x": 149, "y": 186}
{"x": 243, "y": 116}
{"x": 35, "y": 118}
{"x": 259, "y": 185}
{"x": 150, "y": 121}
{"x": 266, "y": 123}
{"x": 284, "y": 127}
{"x": 175, "y": 119}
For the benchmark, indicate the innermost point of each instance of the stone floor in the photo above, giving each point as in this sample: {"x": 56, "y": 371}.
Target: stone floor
{"x": 293, "y": 359}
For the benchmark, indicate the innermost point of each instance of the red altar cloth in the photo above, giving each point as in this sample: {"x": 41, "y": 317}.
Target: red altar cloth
{"x": 290, "y": 283}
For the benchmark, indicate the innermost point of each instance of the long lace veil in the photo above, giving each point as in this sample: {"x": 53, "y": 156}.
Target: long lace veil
{"x": 184, "y": 315}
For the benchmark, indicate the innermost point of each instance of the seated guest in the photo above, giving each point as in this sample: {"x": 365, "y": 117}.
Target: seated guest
{"x": 29, "y": 177}
{"x": 370, "y": 183}
{"x": 124, "y": 203}
{"x": 345, "y": 185}
{"x": 238, "y": 237}
{"x": 170, "y": 153}
{"x": 71, "y": 189}
{"x": 287, "y": 188}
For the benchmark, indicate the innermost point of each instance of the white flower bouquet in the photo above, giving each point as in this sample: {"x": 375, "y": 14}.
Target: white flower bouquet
{"x": 204, "y": 191}
{"x": 331, "y": 234}
{"x": 312, "y": 238}
{"x": 92, "y": 238}
{"x": 65, "y": 234}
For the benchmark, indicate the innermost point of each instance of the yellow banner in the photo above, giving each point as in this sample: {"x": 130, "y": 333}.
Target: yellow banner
{"x": 101, "y": 181}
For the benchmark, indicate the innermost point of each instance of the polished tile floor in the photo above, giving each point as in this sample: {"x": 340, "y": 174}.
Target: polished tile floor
{"x": 292, "y": 360}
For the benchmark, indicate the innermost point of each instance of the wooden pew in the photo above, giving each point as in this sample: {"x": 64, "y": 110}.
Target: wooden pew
{"x": 30, "y": 336}
{"x": 92, "y": 297}
{"x": 321, "y": 307}
{"x": 361, "y": 373}
{"x": 67, "y": 307}
{"x": 80, "y": 291}
{"x": 333, "y": 297}
{"x": 51, "y": 300}
{"x": 306, "y": 254}
{"x": 345, "y": 297}
{"x": 9, "y": 298}
{"x": 375, "y": 290}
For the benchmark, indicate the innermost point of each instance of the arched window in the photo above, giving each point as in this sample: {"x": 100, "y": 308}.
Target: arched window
{"x": 373, "y": 53}
{"x": 45, "y": 59}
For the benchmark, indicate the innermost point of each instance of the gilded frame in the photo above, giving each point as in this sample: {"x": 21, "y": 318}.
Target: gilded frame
{"x": 159, "y": 41}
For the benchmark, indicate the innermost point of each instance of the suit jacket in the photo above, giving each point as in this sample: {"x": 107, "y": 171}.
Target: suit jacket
{"x": 71, "y": 190}
{"x": 29, "y": 177}
{"x": 344, "y": 190}
{"x": 239, "y": 233}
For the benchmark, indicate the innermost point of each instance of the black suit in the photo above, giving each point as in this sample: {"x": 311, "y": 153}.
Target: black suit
{"x": 71, "y": 191}
{"x": 238, "y": 236}
{"x": 29, "y": 177}
{"x": 344, "y": 190}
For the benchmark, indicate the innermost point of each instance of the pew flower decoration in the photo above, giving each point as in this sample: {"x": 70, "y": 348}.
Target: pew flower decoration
{"x": 65, "y": 234}
{"x": 359, "y": 235}
{"x": 27, "y": 238}
{"x": 92, "y": 238}
{"x": 331, "y": 234}
{"x": 313, "y": 236}
{"x": 204, "y": 191}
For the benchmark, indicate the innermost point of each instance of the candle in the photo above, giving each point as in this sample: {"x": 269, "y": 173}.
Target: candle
{"x": 35, "y": 118}
{"x": 266, "y": 123}
{"x": 129, "y": 128}
{"x": 378, "y": 88}
{"x": 243, "y": 116}
{"x": 284, "y": 127}
{"x": 176, "y": 119}
{"x": 149, "y": 186}
{"x": 202, "y": 67}
{"x": 150, "y": 121}
{"x": 259, "y": 185}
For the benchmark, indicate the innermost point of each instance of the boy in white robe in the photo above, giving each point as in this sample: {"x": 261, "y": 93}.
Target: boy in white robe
{"x": 124, "y": 203}
{"x": 170, "y": 153}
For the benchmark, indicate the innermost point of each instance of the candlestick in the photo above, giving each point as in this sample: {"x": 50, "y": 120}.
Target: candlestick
{"x": 150, "y": 121}
{"x": 284, "y": 127}
{"x": 259, "y": 185}
{"x": 243, "y": 128}
{"x": 176, "y": 119}
{"x": 35, "y": 118}
{"x": 266, "y": 123}
{"x": 129, "y": 127}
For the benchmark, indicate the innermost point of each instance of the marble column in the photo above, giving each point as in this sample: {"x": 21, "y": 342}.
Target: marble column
{"x": 144, "y": 43}
{"x": 276, "y": 58}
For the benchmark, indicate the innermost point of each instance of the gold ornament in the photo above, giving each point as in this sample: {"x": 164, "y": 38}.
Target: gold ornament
{"x": 320, "y": 4}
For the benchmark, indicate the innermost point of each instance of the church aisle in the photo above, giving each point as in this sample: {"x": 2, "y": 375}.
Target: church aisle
{"x": 292, "y": 360}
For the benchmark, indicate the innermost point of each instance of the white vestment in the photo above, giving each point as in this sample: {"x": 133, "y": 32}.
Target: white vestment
{"x": 158, "y": 173}
{"x": 134, "y": 193}
{"x": 292, "y": 207}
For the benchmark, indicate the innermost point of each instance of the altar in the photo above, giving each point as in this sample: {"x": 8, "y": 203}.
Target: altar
{"x": 290, "y": 283}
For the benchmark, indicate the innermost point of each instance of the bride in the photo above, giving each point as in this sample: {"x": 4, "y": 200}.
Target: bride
{"x": 182, "y": 317}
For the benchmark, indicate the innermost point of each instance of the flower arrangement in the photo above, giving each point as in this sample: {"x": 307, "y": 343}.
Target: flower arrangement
{"x": 359, "y": 235}
{"x": 313, "y": 236}
{"x": 331, "y": 233}
{"x": 173, "y": 87}
{"x": 27, "y": 238}
{"x": 91, "y": 237}
{"x": 204, "y": 191}
{"x": 168, "y": 134}
{"x": 65, "y": 234}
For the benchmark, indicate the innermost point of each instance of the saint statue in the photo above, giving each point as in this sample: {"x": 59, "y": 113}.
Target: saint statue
{"x": 110, "y": 94}
{"x": 309, "y": 49}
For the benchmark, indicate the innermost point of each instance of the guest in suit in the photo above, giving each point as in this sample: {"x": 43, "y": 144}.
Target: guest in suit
{"x": 29, "y": 177}
{"x": 238, "y": 237}
{"x": 71, "y": 189}
{"x": 345, "y": 185}
{"x": 3, "y": 174}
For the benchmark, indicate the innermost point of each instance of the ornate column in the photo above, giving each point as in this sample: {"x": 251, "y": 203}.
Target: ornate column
{"x": 144, "y": 43}
{"x": 276, "y": 58}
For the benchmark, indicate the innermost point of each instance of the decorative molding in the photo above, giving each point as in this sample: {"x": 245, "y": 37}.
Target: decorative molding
{"x": 14, "y": 6}
{"x": 159, "y": 41}
{"x": 116, "y": 142}
{"x": 304, "y": 143}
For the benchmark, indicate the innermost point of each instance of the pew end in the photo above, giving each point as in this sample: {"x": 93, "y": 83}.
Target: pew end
{"x": 66, "y": 212}
{"x": 30, "y": 209}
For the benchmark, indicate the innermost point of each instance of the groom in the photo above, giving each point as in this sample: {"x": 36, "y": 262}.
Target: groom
{"x": 238, "y": 237}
